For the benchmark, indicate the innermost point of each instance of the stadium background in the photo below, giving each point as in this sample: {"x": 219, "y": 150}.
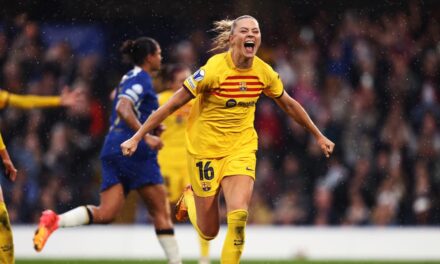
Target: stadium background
{"x": 367, "y": 72}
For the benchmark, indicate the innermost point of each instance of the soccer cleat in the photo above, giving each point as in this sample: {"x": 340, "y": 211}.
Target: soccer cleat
{"x": 181, "y": 208}
{"x": 48, "y": 224}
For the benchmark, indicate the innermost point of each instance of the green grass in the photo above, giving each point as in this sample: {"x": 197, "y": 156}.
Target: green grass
{"x": 216, "y": 262}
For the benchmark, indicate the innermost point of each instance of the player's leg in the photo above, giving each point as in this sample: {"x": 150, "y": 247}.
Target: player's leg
{"x": 199, "y": 201}
{"x": 203, "y": 243}
{"x": 155, "y": 198}
{"x": 176, "y": 179}
{"x": 205, "y": 219}
{"x": 112, "y": 198}
{"x": 111, "y": 202}
{"x": 6, "y": 240}
{"x": 237, "y": 191}
{"x": 204, "y": 215}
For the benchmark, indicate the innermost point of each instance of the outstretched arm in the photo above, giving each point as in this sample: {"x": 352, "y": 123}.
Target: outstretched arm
{"x": 297, "y": 112}
{"x": 67, "y": 98}
{"x": 33, "y": 101}
{"x": 180, "y": 98}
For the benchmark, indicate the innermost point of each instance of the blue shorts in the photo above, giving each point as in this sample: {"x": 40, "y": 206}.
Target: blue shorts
{"x": 131, "y": 172}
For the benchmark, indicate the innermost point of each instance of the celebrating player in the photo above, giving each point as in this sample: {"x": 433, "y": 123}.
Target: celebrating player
{"x": 175, "y": 171}
{"x": 221, "y": 139}
{"x": 135, "y": 101}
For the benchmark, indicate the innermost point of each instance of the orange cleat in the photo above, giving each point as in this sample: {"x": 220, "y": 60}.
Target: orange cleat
{"x": 48, "y": 224}
{"x": 181, "y": 208}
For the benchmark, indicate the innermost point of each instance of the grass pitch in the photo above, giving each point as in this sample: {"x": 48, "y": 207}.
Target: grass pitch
{"x": 64, "y": 261}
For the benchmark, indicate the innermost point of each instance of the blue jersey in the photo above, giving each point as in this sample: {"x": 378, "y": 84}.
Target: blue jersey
{"x": 140, "y": 169}
{"x": 137, "y": 87}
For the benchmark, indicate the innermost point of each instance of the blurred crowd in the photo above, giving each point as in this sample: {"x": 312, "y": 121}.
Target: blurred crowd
{"x": 369, "y": 81}
{"x": 55, "y": 150}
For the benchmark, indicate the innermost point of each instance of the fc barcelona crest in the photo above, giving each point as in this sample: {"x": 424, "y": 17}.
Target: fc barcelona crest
{"x": 243, "y": 86}
{"x": 206, "y": 186}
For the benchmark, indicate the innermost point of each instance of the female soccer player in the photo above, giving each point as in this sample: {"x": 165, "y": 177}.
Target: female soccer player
{"x": 221, "y": 139}
{"x": 135, "y": 101}
{"x": 6, "y": 241}
{"x": 175, "y": 171}
{"x": 67, "y": 98}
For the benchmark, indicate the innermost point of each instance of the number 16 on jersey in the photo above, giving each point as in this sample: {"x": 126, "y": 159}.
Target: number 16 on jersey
{"x": 206, "y": 172}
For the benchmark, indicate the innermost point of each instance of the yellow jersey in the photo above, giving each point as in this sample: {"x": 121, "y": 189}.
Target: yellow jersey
{"x": 221, "y": 121}
{"x": 173, "y": 136}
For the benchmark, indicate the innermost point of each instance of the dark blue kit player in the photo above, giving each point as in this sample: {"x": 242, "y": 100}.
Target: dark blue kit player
{"x": 135, "y": 100}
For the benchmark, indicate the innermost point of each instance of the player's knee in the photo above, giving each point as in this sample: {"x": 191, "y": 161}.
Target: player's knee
{"x": 209, "y": 232}
{"x": 103, "y": 219}
{"x": 103, "y": 216}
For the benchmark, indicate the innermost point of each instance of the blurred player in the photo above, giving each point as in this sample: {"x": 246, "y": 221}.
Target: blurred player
{"x": 221, "y": 138}
{"x": 67, "y": 98}
{"x": 6, "y": 241}
{"x": 135, "y": 101}
{"x": 172, "y": 157}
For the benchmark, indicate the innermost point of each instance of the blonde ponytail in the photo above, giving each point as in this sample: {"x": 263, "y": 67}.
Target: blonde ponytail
{"x": 224, "y": 28}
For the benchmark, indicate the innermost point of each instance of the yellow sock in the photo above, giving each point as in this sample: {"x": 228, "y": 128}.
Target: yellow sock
{"x": 190, "y": 204}
{"x": 6, "y": 241}
{"x": 204, "y": 247}
{"x": 234, "y": 241}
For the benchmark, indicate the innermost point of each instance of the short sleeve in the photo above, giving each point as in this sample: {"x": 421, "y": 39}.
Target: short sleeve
{"x": 134, "y": 91}
{"x": 197, "y": 82}
{"x": 275, "y": 87}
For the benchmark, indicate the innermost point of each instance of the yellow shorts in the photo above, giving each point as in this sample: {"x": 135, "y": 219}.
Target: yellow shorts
{"x": 206, "y": 174}
{"x": 176, "y": 178}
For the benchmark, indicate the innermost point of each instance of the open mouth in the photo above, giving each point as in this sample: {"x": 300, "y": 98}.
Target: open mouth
{"x": 249, "y": 46}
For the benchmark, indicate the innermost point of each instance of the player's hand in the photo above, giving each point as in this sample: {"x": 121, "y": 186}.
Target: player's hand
{"x": 70, "y": 97}
{"x": 154, "y": 142}
{"x": 129, "y": 146}
{"x": 159, "y": 130}
{"x": 10, "y": 170}
{"x": 326, "y": 145}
